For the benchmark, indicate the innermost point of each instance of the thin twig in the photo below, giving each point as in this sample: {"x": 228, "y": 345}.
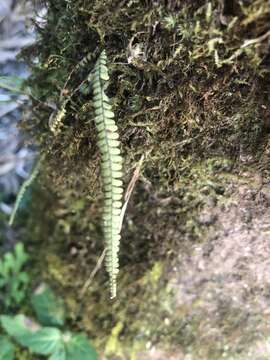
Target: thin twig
{"x": 130, "y": 189}
{"x": 92, "y": 275}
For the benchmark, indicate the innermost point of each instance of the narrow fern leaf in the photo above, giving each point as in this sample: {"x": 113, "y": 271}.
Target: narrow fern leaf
{"x": 111, "y": 168}
{"x": 23, "y": 189}
{"x": 56, "y": 120}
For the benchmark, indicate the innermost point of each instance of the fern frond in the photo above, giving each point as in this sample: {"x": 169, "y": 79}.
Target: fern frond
{"x": 23, "y": 189}
{"x": 56, "y": 120}
{"x": 111, "y": 168}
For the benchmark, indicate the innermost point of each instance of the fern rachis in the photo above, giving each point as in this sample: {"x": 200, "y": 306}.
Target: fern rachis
{"x": 111, "y": 168}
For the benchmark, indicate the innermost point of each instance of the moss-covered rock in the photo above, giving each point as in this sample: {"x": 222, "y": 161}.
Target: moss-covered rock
{"x": 190, "y": 88}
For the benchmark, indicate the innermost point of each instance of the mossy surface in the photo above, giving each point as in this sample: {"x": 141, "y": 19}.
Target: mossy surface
{"x": 191, "y": 95}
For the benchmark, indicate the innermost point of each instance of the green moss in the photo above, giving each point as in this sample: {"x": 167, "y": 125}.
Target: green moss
{"x": 166, "y": 91}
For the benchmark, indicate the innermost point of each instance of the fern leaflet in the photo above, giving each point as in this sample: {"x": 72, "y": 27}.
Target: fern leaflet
{"x": 111, "y": 168}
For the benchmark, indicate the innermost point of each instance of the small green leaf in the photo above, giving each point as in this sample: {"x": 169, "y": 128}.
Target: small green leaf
{"x": 13, "y": 281}
{"x": 18, "y": 326}
{"x": 44, "y": 341}
{"x": 79, "y": 348}
{"x": 75, "y": 346}
{"x": 59, "y": 354}
{"x": 49, "y": 309}
{"x": 6, "y": 349}
{"x": 48, "y": 340}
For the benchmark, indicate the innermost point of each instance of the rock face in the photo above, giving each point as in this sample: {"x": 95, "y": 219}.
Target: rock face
{"x": 190, "y": 88}
{"x": 223, "y": 285}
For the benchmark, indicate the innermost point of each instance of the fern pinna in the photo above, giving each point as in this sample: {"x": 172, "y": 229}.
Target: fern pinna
{"x": 111, "y": 167}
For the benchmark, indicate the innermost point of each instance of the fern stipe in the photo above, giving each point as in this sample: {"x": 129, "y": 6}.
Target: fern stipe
{"x": 26, "y": 184}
